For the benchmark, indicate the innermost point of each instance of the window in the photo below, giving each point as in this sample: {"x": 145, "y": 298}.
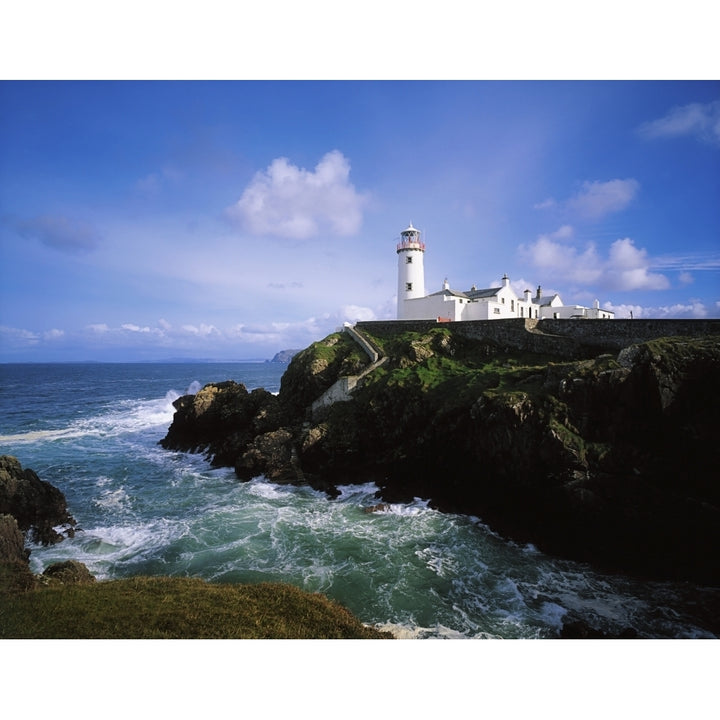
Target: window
{"x": 408, "y": 286}
{"x": 503, "y": 300}
{"x": 512, "y": 306}
{"x": 408, "y": 259}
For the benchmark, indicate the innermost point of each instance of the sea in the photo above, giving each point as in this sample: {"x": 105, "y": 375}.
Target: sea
{"x": 92, "y": 430}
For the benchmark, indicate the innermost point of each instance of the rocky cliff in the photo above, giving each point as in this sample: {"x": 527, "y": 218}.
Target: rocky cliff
{"x": 33, "y": 508}
{"x": 609, "y": 460}
{"x": 39, "y": 507}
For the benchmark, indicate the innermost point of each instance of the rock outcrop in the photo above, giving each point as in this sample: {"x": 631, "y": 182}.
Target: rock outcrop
{"x": 609, "y": 459}
{"x": 15, "y": 575}
{"x": 38, "y": 506}
{"x": 69, "y": 572}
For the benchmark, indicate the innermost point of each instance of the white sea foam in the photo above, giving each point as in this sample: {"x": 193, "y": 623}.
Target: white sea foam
{"x": 268, "y": 491}
{"x": 37, "y": 436}
{"x": 116, "y": 500}
{"x": 125, "y": 416}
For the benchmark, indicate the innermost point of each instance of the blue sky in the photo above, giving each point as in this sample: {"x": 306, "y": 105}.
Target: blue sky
{"x": 144, "y": 220}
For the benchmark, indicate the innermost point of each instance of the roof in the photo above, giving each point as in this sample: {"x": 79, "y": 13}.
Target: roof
{"x": 450, "y": 293}
{"x": 485, "y": 293}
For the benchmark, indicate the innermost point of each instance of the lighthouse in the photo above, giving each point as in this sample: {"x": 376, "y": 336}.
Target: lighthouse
{"x": 411, "y": 272}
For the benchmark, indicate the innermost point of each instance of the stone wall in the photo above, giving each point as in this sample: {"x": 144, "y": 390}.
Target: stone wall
{"x": 617, "y": 334}
{"x": 561, "y": 338}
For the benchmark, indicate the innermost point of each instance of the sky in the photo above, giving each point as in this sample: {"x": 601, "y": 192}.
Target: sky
{"x": 231, "y": 219}
{"x": 234, "y": 219}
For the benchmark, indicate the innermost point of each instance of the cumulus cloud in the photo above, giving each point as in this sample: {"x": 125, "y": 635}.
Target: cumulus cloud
{"x": 693, "y": 309}
{"x": 563, "y": 233}
{"x": 625, "y": 268}
{"x": 53, "y": 334}
{"x": 287, "y": 201}
{"x": 356, "y": 313}
{"x": 558, "y": 258}
{"x": 60, "y": 232}
{"x": 630, "y": 268}
{"x": 598, "y": 199}
{"x": 698, "y": 120}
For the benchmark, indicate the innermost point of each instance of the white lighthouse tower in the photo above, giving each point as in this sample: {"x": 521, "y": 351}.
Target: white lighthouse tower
{"x": 411, "y": 271}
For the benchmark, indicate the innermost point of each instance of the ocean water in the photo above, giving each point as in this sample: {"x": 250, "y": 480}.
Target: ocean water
{"x": 92, "y": 430}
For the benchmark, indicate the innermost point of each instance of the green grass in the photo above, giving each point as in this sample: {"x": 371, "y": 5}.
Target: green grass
{"x": 181, "y": 608}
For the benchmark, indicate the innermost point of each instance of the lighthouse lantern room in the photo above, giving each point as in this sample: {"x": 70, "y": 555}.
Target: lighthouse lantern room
{"x": 411, "y": 273}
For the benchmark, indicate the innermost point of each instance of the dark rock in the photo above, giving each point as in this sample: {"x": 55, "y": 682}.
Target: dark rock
{"x": 380, "y": 507}
{"x": 69, "y": 572}
{"x": 610, "y": 460}
{"x": 580, "y": 630}
{"x": 12, "y": 542}
{"x": 15, "y": 575}
{"x": 270, "y": 454}
{"x": 221, "y": 420}
{"x": 38, "y": 506}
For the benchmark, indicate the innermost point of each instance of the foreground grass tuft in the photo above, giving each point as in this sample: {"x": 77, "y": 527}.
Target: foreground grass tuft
{"x": 187, "y": 608}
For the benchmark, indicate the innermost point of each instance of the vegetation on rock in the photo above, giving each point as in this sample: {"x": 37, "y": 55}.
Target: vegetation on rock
{"x": 66, "y": 601}
{"x": 608, "y": 459}
{"x": 180, "y": 608}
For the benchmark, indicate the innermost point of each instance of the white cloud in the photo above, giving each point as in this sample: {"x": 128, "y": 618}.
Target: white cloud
{"x": 53, "y": 334}
{"x": 356, "y": 313}
{"x": 693, "y": 309}
{"x": 130, "y": 327}
{"x": 287, "y": 201}
{"x": 17, "y": 336}
{"x": 563, "y": 233}
{"x": 626, "y": 267}
{"x": 698, "y": 120}
{"x": 598, "y": 199}
{"x": 561, "y": 259}
{"x": 99, "y": 328}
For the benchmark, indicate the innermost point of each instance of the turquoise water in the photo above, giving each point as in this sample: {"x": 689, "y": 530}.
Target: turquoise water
{"x": 92, "y": 430}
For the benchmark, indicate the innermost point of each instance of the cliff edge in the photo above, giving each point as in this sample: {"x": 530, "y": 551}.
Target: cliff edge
{"x": 609, "y": 459}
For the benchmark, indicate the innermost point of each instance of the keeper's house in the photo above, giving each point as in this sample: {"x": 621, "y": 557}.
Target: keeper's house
{"x": 473, "y": 304}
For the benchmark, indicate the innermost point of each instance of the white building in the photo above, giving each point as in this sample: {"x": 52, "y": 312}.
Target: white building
{"x": 473, "y": 304}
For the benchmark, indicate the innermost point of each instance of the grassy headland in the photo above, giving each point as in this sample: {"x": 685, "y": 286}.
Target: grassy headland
{"x": 179, "y": 608}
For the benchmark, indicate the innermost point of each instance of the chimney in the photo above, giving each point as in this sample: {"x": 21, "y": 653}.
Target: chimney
{"x": 527, "y": 296}
{"x": 505, "y": 280}
{"x": 539, "y": 292}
